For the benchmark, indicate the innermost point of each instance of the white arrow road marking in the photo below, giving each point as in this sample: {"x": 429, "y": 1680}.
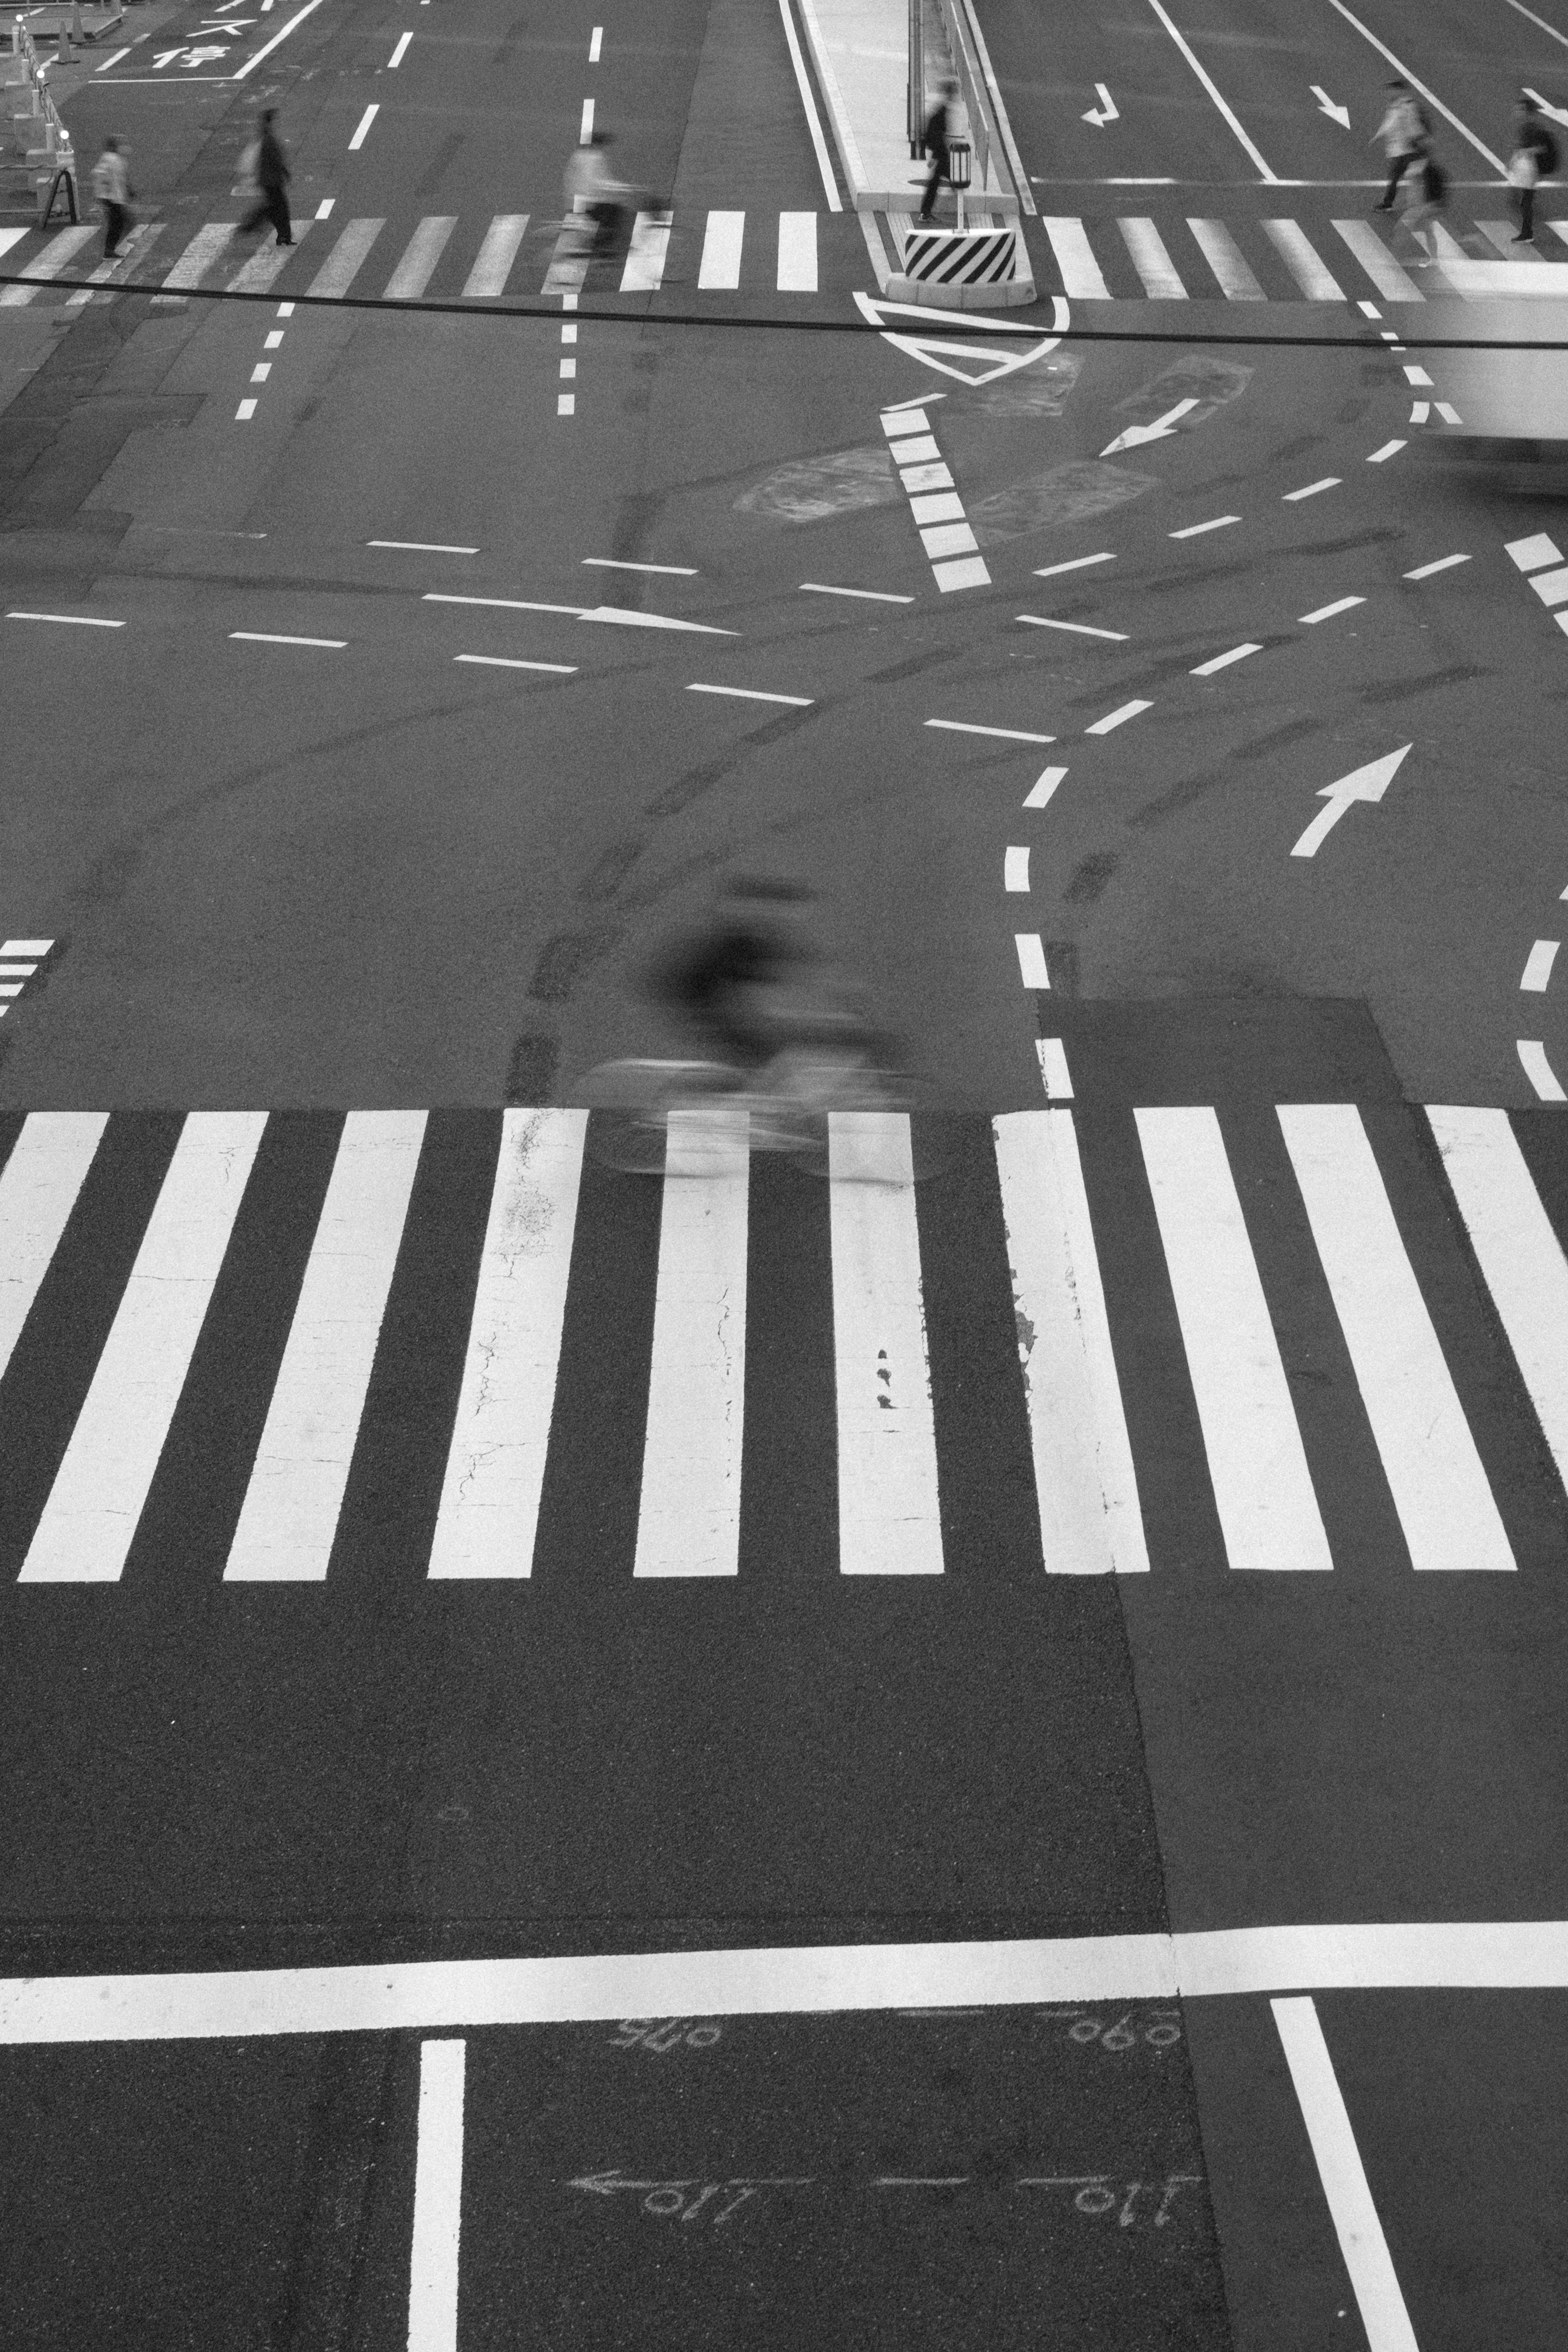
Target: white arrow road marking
{"x": 1368, "y": 783}
{"x": 1105, "y": 111}
{"x": 1558, "y": 113}
{"x": 1341, "y": 114}
{"x": 1136, "y": 434}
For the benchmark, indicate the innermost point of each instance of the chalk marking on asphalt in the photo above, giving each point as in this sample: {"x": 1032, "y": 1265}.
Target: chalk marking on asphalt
{"x": 1389, "y": 449}
{"x": 68, "y": 620}
{"x": 1051, "y": 1054}
{"x": 1198, "y": 68}
{"x": 1538, "y": 965}
{"x": 1223, "y": 661}
{"x": 871, "y": 596}
{"x": 585, "y": 130}
{"x": 1539, "y": 1070}
{"x": 1434, "y": 1474}
{"x": 689, "y": 1510}
{"x": 890, "y": 1517}
{"x": 813, "y": 119}
{"x": 1078, "y": 628}
{"x": 96, "y": 1501}
{"x": 1044, "y": 785}
{"x": 1196, "y": 530}
{"x": 752, "y": 694}
{"x": 595, "y": 43}
{"x": 437, "y": 2200}
{"x": 421, "y": 547}
{"x": 505, "y": 661}
{"x": 1076, "y": 564}
{"x": 1118, "y": 717}
{"x": 1005, "y": 734}
{"x": 366, "y": 119}
{"x": 1340, "y": 2168}
{"x": 1329, "y": 482}
{"x": 1518, "y": 1253}
{"x": 1400, "y": 68}
{"x": 1420, "y": 411}
{"x": 1031, "y": 951}
{"x": 1530, "y": 555}
{"x": 265, "y": 637}
{"x": 1086, "y": 1486}
{"x": 615, "y": 563}
{"x": 1430, "y": 571}
{"x": 38, "y": 1189}
{"x": 489, "y": 1513}
{"x": 1263, "y": 1491}
{"x": 1016, "y": 869}
{"x": 399, "y": 53}
{"x": 1328, "y": 612}
{"x": 280, "y": 34}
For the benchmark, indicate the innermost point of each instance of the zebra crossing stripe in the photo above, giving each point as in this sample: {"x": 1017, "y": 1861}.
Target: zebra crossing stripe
{"x": 200, "y": 256}
{"x": 1300, "y": 257}
{"x": 1435, "y": 1474}
{"x": 347, "y": 258}
{"x": 95, "y": 1500}
{"x": 797, "y": 253}
{"x": 38, "y": 1189}
{"x": 496, "y": 254}
{"x": 722, "y": 240}
{"x": 268, "y": 264}
{"x": 1379, "y": 264}
{"x": 1262, "y": 1488}
{"x": 417, "y": 266}
{"x": 47, "y": 264}
{"x": 488, "y": 1510}
{"x": 1082, "y": 280}
{"x": 644, "y": 271}
{"x": 1151, "y": 260}
{"x": 290, "y": 1514}
{"x": 1226, "y": 259}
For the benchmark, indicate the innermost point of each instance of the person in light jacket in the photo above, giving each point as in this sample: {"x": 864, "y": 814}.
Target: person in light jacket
{"x": 112, "y": 189}
{"x": 1405, "y": 131}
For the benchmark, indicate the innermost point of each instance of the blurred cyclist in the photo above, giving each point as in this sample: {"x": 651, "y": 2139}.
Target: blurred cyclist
{"x": 592, "y": 192}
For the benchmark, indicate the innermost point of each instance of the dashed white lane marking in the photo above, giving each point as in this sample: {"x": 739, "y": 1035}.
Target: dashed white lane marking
{"x": 1223, "y": 661}
{"x": 871, "y": 596}
{"x": 1031, "y": 950}
{"x": 113, "y": 59}
{"x": 1369, "y": 308}
{"x": 399, "y": 53}
{"x": 366, "y": 119}
{"x": 421, "y": 547}
{"x": 1116, "y": 718}
{"x": 1449, "y": 415}
{"x": 1389, "y": 449}
{"x": 265, "y": 637}
{"x": 1328, "y": 612}
{"x": 1005, "y": 734}
{"x": 324, "y": 209}
{"x": 1015, "y": 870}
{"x": 1356, "y": 2225}
{"x": 595, "y": 43}
{"x": 752, "y": 694}
{"x": 586, "y": 131}
{"x": 246, "y": 411}
{"x": 501, "y": 604}
{"x": 1530, "y": 554}
{"x": 1044, "y": 785}
{"x": 1538, "y": 965}
{"x": 1539, "y": 1070}
{"x": 261, "y": 372}
{"x": 1077, "y": 628}
{"x": 1420, "y": 411}
{"x": 68, "y": 620}
{"x": 1329, "y": 482}
{"x": 1430, "y": 571}
{"x": 1054, "y": 1075}
{"x": 1076, "y": 564}
{"x": 271, "y": 342}
{"x": 437, "y": 2198}
{"x": 566, "y": 404}
{"x": 508, "y": 661}
{"x": 616, "y": 564}
{"x": 1419, "y": 375}
{"x": 1196, "y": 530}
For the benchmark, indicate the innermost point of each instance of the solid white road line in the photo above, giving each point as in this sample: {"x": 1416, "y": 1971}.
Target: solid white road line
{"x": 797, "y": 253}
{"x": 1226, "y": 259}
{"x": 754, "y": 694}
{"x": 1016, "y": 869}
{"x": 1539, "y": 1070}
{"x": 420, "y": 255}
{"x": 1006, "y": 734}
{"x": 869, "y": 596}
{"x": 347, "y": 257}
{"x": 95, "y": 1500}
{"x": 502, "y": 604}
{"x": 281, "y": 35}
{"x": 1328, "y": 612}
{"x": 265, "y": 637}
{"x": 722, "y": 242}
{"x": 1435, "y": 1474}
{"x": 366, "y": 119}
{"x": 437, "y": 2200}
{"x": 1518, "y": 1253}
{"x": 1044, "y": 785}
{"x": 1537, "y": 973}
{"x": 1075, "y": 264}
{"x": 1196, "y": 530}
{"x": 1379, "y": 264}
{"x": 1151, "y": 260}
{"x": 808, "y": 105}
{"x": 1077, "y": 628}
{"x": 1530, "y": 554}
{"x": 421, "y": 547}
{"x": 1312, "y": 490}
{"x": 68, "y": 620}
{"x": 399, "y": 52}
{"x": 889, "y": 1522}
{"x": 1389, "y": 449}
{"x": 1340, "y": 2168}
{"x": 498, "y": 251}
{"x": 1031, "y": 954}
{"x": 1191, "y": 56}
{"x": 289, "y": 1514}
{"x": 508, "y": 661}
{"x": 1224, "y": 661}
{"x": 38, "y": 1188}
{"x": 1432, "y": 99}
{"x": 1116, "y": 718}
{"x": 1085, "y": 1482}
{"x": 112, "y": 59}
{"x": 1076, "y": 564}
{"x": 646, "y": 254}
{"x": 495, "y": 1468}
{"x": 615, "y": 563}
{"x": 1262, "y": 1486}
{"x": 1298, "y": 254}
{"x": 688, "y": 1519}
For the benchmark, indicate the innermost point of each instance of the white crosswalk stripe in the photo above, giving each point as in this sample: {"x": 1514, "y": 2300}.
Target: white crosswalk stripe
{"x": 1080, "y": 1362}
{"x": 347, "y": 257}
{"x": 1225, "y": 258}
{"x": 1081, "y": 272}
{"x": 417, "y": 266}
{"x": 496, "y": 255}
{"x": 722, "y": 241}
{"x": 645, "y": 257}
{"x": 797, "y": 253}
{"x": 1151, "y": 260}
{"x": 1302, "y": 259}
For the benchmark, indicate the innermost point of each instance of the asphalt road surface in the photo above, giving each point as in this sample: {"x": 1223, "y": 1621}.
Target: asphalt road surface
{"x": 785, "y": 1755}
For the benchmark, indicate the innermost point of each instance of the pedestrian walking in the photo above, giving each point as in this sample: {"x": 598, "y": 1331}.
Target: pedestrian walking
{"x": 1427, "y": 188}
{"x": 112, "y": 189}
{"x": 1535, "y": 158}
{"x": 266, "y": 166}
{"x": 1404, "y": 132}
{"x": 591, "y": 192}
{"x": 941, "y": 126}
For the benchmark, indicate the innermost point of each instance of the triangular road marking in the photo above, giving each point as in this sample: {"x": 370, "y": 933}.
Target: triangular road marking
{"x": 941, "y": 354}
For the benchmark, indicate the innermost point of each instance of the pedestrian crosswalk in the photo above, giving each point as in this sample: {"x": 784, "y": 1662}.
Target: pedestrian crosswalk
{"x": 1189, "y": 258}
{"x": 216, "y": 1322}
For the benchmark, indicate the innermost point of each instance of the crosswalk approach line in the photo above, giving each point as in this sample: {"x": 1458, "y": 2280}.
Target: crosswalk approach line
{"x": 1446, "y": 1506}
{"x": 489, "y": 1512}
{"x": 417, "y": 265}
{"x": 689, "y": 1521}
{"x": 890, "y": 1520}
{"x": 90, "y": 1517}
{"x": 496, "y": 254}
{"x": 289, "y": 1514}
{"x": 38, "y": 1188}
{"x": 1262, "y": 1488}
{"x": 1086, "y": 1484}
{"x": 1519, "y": 1254}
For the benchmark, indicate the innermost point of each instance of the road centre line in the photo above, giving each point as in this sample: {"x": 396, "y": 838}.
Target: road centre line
{"x": 1444, "y": 563}
{"x": 1328, "y": 612}
{"x": 1223, "y": 661}
{"x": 615, "y": 563}
{"x": 1203, "y": 75}
{"x": 1329, "y": 482}
{"x": 1389, "y": 449}
{"x": 1538, "y": 965}
{"x": 1400, "y": 68}
{"x": 1196, "y": 530}
{"x": 68, "y": 620}
{"x": 871, "y": 596}
{"x": 420, "y": 546}
{"x": 399, "y": 52}
{"x": 1116, "y": 718}
{"x": 366, "y": 119}
{"x": 752, "y": 694}
{"x": 506, "y": 661}
{"x": 1006, "y": 734}
{"x": 263, "y": 637}
{"x": 1075, "y": 564}
{"x": 1078, "y": 628}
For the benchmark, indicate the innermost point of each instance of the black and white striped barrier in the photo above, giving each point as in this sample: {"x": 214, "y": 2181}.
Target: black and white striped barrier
{"x": 967, "y": 268}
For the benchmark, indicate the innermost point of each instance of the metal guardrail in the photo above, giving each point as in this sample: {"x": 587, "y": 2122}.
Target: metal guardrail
{"x": 56, "y": 154}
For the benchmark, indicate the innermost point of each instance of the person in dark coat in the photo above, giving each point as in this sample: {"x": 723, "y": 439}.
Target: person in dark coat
{"x": 937, "y": 130}
{"x": 270, "y": 173}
